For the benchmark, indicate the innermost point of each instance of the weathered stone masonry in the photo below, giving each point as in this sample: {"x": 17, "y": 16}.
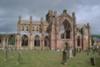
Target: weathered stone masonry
{"x": 53, "y": 32}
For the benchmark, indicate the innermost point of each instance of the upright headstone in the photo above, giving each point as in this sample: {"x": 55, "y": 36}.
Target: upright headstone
{"x": 74, "y": 51}
{"x": 64, "y": 56}
{"x": 19, "y": 57}
{"x": 6, "y": 53}
{"x": 92, "y": 60}
{"x": 71, "y": 52}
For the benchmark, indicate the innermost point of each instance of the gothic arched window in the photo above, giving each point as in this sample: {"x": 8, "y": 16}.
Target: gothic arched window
{"x": 65, "y": 30}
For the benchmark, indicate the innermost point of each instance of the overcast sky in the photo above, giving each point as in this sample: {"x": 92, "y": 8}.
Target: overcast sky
{"x": 86, "y": 11}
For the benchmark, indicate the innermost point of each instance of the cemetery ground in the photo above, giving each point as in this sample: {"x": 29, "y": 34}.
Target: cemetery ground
{"x": 44, "y": 58}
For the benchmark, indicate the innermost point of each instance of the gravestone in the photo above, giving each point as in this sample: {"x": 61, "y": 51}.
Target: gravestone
{"x": 19, "y": 59}
{"x": 6, "y": 53}
{"x": 70, "y": 52}
{"x": 65, "y": 53}
{"x": 92, "y": 60}
{"x": 64, "y": 56}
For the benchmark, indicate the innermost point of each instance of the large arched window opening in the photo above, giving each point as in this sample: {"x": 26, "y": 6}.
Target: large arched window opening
{"x": 65, "y": 30}
{"x": 11, "y": 40}
{"x": 62, "y": 30}
{"x": 24, "y": 40}
{"x": 37, "y": 40}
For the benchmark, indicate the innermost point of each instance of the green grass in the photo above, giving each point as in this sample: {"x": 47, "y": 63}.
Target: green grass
{"x": 46, "y": 58}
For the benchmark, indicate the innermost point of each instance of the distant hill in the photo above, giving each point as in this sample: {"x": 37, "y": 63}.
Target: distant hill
{"x": 96, "y": 36}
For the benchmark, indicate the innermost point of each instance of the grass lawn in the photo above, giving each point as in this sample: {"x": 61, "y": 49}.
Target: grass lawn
{"x": 46, "y": 58}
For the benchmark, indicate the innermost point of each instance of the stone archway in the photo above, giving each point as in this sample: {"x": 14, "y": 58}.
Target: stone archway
{"x": 11, "y": 40}
{"x": 37, "y": 41}
{"x": 24, "y": 40}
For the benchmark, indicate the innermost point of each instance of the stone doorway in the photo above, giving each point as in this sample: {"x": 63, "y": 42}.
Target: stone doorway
{"x": 46, "y": 42}
{"x": 78, "y": 41}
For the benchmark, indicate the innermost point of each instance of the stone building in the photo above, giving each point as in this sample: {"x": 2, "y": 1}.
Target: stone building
{"x": 7, "y": 40}
{"x": 53, "y": 32}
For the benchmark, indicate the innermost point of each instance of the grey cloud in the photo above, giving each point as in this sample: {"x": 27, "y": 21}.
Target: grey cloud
{"x": 91, "y": 14}
{"x": 11, "y": 9}
{"x": 88, "y": 2}
{"x": 7, "y": 27}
